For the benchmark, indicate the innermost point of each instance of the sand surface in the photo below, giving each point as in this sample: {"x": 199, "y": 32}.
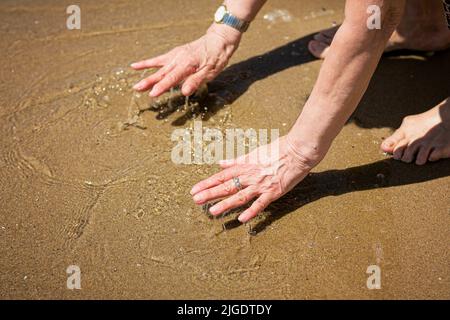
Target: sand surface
{"x": 77, "y": 188}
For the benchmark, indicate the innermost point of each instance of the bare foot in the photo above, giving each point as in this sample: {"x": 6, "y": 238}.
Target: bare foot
{"x": 427, "y": 39}
{"x": 422, "y": 137}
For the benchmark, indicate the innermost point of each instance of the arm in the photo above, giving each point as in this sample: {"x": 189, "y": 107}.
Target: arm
{"x": 199, "y": 61}
{"x": 343, "y": 79}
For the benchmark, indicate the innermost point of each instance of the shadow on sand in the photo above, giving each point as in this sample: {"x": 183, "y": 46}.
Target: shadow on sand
{"x": 235, "y": 80}
{"x": 381, "y": 174}
{"x": 405, "y": 83}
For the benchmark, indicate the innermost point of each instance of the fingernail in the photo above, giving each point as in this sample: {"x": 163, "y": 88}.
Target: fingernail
{"x": 198, "y": 198}
{"x": 134, "y": 64}
{"x": 137, "y": 86}
{"x": 194, "y": 190}
{"x": 213, "y": 210}
{"x": 241, "y": 219}
{"x": 153, "y": 92}
{"x": 186, "y": 90}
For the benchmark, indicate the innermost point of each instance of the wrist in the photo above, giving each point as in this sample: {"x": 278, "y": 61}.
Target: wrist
{"x": 306, "y": 153}
{"x": 229, "y": 35}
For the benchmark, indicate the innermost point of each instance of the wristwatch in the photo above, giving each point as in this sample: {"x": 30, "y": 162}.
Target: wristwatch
{"x": 223, "y": 16}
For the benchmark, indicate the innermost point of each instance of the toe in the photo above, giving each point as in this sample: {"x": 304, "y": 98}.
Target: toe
{"x": 422, "y": 155}
{"x": 391, "y": 142}
{"x": 318, "y": 36}
{"x": 435, "y": 155}
{"x": 399, "y": 149}
{"x": 410, "y": 152}
{"x": 318, "y": 49}
{"x": 330, "y": 33}
{"x": 321, "y": 37}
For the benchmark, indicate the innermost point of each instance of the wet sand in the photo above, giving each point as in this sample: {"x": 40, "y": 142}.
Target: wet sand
{"x": 78, "y": 189}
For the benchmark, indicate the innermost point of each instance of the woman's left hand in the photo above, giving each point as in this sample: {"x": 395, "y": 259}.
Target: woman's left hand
{"x": 266, "y": 173}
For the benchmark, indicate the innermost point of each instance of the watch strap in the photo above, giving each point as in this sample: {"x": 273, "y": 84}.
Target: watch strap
{"x": 235, "y": 22}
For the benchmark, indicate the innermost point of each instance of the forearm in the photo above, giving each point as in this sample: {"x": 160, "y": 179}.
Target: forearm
{"x": 343, "y": 79}
{"x": 244, "y": 9}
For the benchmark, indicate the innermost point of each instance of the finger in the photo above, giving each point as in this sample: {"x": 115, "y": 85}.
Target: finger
{"x": 235, "y": 201}
{"x": 155, "y": 62}
{"x": 225, "y": 189}
{"x": 216, "y": 179}
{"x": 173, "y": 78}
{"x": 399, "y": 149}
{"x": 151, "y": 80}
{"x": 423, "y": 154}
{"x": 193, "y": 82}
{"x": 256, "y": 208}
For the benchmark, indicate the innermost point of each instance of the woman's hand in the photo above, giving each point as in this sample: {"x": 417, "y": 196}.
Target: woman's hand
{"x": 266, "y": 173}
{"x": 191, "y": 64}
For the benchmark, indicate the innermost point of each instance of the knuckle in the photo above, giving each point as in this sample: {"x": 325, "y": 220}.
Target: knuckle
{"x": 163, "y": 72}
{"x": 158, "y": 76}
{"x": 171, "y": 78}
{"x": 242, "y": 198}
{"x": 210, "y": 77}
{"x": 260, "y": 202}
{"x": 278, "y": 193}
{"x": 227, "y": 187}
{"x": 259, "y": 205}
{"x": 276, "y": 190}
{"x": 221, "y": 177}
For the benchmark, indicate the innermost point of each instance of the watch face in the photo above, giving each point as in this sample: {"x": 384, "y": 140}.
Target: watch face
{"x": 220, "y": 13}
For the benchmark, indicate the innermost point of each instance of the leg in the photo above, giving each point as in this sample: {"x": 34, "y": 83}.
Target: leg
{"x": 423, "y": 27}
{"x": 422, "y": 137}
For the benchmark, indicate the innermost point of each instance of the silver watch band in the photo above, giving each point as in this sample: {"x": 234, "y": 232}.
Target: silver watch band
{"x": 236, "y": 23}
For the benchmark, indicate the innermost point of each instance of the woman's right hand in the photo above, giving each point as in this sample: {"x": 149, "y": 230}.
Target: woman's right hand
{"x": 191, "y": 64}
